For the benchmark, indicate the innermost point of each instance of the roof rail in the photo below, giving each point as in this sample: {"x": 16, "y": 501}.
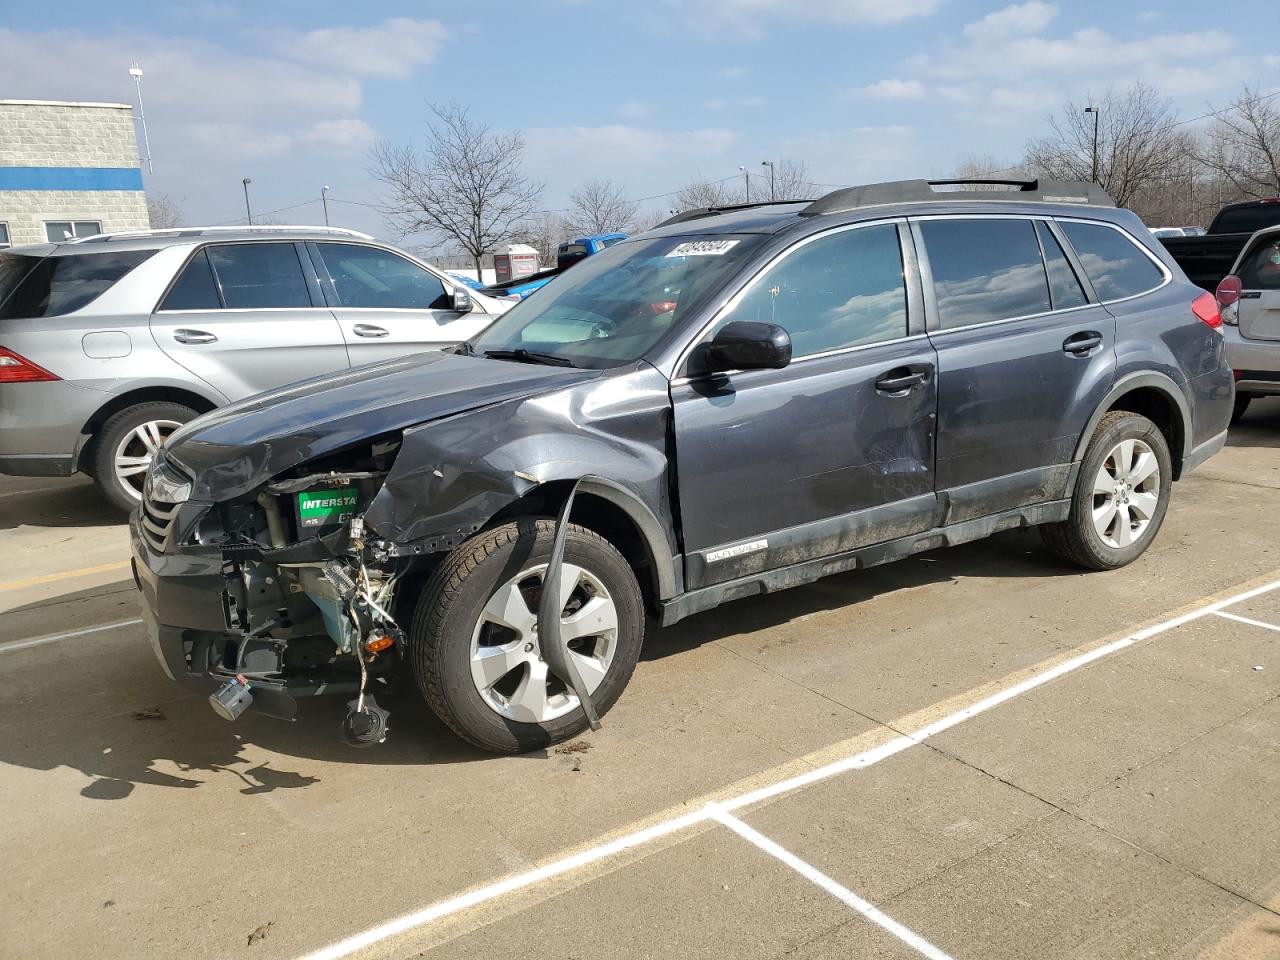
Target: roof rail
{"x": 203, "y": 231}
{"x": 700, "y": 212}
{"x": 923, "y": 191}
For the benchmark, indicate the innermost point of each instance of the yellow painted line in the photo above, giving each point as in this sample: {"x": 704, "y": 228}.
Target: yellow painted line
{"x": 67, "y": 575}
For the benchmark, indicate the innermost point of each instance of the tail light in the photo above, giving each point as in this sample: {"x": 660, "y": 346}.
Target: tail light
{"x": 1228, "y": 296}
{"x": 1205, "y": 307}
{"x": 15, "y": 368}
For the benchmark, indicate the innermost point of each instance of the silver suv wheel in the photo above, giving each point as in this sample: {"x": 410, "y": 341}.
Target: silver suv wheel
{"x": 136, "y": 450}
{"x": 506, "y": 662}
{"x": 1126, "y": 492}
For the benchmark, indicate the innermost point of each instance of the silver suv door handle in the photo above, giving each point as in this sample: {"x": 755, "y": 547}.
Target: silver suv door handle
{"x": 369, "y": 330}
{"x": 194, "y": 336}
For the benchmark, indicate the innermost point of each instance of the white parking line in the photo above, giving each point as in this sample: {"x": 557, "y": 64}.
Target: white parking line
{"x": 53, "y": 637}
{"x": 1252, "y": 623}
{"x": 445, "y": 908}
{"x": 837, "y": 890}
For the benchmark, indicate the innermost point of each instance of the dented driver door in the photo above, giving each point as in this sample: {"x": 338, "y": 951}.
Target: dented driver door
{"x": 834, "y": 451}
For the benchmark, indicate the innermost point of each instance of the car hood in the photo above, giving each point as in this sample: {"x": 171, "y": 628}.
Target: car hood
{"x": 236, "y": 448}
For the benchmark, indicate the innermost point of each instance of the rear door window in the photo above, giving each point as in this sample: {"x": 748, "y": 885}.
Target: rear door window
{"x": 1064, "y": 285}
{"x": 1115, "y": 265}
{"x": 260, "y": 275}
{"x": 55, "y": 286}
{"x": 372, "y": 278}
{"x": 985, "y": 270}
{"x": 195, "y": 288}
{"x": 1261, "y": 268}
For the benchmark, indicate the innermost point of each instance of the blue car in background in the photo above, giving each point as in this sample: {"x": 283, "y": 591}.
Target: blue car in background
{"x": 567, "y": 254}
{"x": 468, "y": 281}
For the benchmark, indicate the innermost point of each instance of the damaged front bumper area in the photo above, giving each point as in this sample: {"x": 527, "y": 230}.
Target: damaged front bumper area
{"x": 274, "y": 596}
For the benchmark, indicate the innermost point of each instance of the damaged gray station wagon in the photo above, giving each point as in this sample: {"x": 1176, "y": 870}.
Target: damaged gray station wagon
{"x": 739, "y": 401}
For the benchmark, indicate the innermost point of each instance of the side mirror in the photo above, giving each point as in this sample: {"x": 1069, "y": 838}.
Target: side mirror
{"x": 461, "y": 299}
{"x": 746, "y": 345}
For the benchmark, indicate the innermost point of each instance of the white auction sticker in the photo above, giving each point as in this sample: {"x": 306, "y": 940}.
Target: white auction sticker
{"x": 703, "y": 248}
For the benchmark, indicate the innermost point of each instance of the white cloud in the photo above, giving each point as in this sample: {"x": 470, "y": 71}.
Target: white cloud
{"x": 1018, "y": 20}
{"x": 390, "y": 49}
{"x": 859, "y": 154}
{"x": 892, "y": 88}
{"x": 745, "y": 16}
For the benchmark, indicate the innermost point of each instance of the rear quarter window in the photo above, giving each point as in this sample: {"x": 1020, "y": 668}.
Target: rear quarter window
{"x": 56, "y": 286}
{"x": 1115, "y": 264}
{"x": 1261, "y": 269}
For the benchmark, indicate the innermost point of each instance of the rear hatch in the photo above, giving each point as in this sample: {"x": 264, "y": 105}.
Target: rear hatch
{"x": 1259, "y": 272}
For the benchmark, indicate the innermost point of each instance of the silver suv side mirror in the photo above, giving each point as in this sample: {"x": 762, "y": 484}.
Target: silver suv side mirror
{"x": 461, "y": 299}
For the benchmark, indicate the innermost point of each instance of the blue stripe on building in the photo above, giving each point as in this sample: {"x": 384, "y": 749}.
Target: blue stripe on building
{"x": 70, "y": 178}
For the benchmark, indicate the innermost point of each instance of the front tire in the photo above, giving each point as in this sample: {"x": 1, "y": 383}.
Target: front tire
{"x": 1121, "y": 495}
{"x": 473, "y": 641}
{"x": 125, "y": 445}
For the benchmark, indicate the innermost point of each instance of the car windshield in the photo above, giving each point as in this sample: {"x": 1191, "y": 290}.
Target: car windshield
{"x": 612, "y": 308}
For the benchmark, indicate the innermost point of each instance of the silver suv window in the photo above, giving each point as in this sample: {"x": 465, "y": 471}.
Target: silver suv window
{"x": 372, "y": 278}
{"x": 258, "y": 276}
{"x": 52, "y": 286}
{"x": 195, "y": 288}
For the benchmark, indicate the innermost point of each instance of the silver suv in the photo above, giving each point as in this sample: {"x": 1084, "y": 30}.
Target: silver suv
{"x": 110, "y": 343}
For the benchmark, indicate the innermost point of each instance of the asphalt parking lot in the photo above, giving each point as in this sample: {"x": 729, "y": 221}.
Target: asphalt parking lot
{"x": 976, "y": 753}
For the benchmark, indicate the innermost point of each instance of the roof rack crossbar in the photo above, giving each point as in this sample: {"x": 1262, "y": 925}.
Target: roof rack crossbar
{"x": 699, "y": 212}
{"x": 202, "y": 231}
{"x": 923, "y": 191}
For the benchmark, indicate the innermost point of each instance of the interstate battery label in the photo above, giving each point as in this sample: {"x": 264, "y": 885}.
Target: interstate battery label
{"x": 322, "y": 508}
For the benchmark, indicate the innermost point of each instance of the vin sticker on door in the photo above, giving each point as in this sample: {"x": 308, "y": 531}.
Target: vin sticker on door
{"x": 739, "y": 550}
{"x": 703, "y": 248}
{"x": 323, "y": 508}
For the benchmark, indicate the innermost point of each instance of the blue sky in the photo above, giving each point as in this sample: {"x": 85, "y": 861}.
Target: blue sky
{"x": 647, "y": 94}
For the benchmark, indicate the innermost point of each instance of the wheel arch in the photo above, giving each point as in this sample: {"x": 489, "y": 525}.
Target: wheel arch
{"x": 612, "y": 511}
{"x": 1154, "y": 396}
{"x": 121, "y": 401}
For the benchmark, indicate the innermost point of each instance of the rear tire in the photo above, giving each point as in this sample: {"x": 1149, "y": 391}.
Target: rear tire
{"x": 482, "y": 602}
{"x": 1121, "y": 495}
{"x": 124, "y": 446}
{"x": 1241, "y": 405}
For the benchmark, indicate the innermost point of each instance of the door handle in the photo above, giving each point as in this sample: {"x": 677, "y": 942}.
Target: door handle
{"x": 1082, "y": 342}
{"x": 899, "y": 381}
{"x": 369, "y": 330}
{"x": 194, "y": 336}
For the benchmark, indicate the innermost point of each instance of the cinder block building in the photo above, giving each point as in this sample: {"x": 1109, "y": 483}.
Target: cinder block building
{"x": 68, "y": 169}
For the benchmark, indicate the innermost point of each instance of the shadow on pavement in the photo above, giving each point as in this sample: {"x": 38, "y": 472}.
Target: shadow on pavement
{"x": 58, "y": 502}
{"x": 1259, "y": 427}
{"x": 82, "y": 718}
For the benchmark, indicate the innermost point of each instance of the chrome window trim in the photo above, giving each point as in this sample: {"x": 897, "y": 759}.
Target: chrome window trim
{"x": 1164, "y": 270}
{"x": 1024, "y": 316}
{"x": 733, "y": 301}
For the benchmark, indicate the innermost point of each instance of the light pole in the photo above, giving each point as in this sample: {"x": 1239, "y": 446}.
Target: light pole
{"x": 772, "y": 193}
{"x": 746, "y": 178}
{"x": 248, "y": 214}
{"x": 135, "y": 71}
{"x": 324, "y": 202}
{"x": 1094, "y": 111}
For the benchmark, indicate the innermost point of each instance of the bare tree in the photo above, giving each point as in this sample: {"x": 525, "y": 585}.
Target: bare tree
{"x": 790, "y": 182}
{"x": 163, "y": 211}
{"x": 1243, "y": 146}
{"x": 599, "y": 206}
{"x": 465, "y": 185}
{"x": 647, "y": 220}
{"x": 699, "y": 193}
{"x": 1138, "y": 145}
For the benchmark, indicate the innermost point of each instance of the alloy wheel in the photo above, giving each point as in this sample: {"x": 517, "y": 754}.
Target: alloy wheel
{"x": 135, "y": 452}
{"x": 1126, "y": 492}
{"x": 506, "y": 661}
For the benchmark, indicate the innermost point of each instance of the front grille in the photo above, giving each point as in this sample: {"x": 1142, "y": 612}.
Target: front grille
{"x": 163, "y": 493}
{"x": 156, "y": 519}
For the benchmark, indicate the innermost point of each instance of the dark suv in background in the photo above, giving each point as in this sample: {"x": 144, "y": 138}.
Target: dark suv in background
{"x": 738, "y": 401}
